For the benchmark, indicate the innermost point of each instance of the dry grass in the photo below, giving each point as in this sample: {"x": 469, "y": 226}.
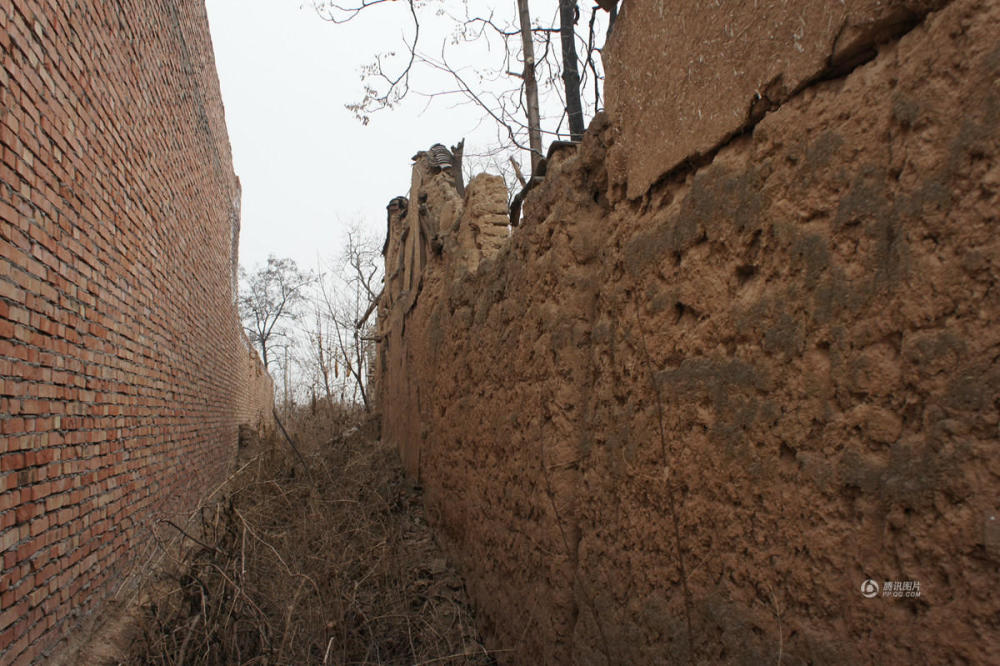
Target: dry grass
{"x": 334, "y": 565}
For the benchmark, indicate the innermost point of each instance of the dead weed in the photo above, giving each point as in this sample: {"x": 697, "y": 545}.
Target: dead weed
{"x": 333, "y": 564}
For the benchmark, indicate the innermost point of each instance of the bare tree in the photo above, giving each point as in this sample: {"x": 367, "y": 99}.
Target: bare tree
{"x": 530, "y": 84}
{"x": 325, "y": 361}
{"x": 270, "y": 299}
{"x": 569, "y": 14}
{"x": 347, "y": 295}
{"x": 528, "y": 93}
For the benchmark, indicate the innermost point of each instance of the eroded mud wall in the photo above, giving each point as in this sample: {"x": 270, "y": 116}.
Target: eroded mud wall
{"x": 123, "y": 371}
{"x": 734, "y": 362}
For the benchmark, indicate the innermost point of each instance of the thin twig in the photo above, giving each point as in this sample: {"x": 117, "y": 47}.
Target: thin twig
{"x": 288, "y": 438}
{"x": 466, "y": 653}
{"x": 179, "y": 529}
{"x": 517, "y": 171}
{"x": 671, "y": 500}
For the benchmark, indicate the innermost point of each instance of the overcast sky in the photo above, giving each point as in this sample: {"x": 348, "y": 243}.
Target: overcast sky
{"x": 307, "y": 166}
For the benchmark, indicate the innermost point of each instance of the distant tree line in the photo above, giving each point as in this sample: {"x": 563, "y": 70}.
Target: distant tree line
{"x": 305, "y": 326}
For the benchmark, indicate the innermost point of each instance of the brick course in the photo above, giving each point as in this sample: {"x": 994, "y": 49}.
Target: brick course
{"x": 123, "y": 370}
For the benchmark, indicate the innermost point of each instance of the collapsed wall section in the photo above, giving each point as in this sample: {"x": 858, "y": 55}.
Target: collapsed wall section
{"x": 697, "y": 400}
{"x": 123, "y": 370}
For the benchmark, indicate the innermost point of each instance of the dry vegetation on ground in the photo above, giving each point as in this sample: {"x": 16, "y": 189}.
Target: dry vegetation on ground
{"x": 330, "y": 565}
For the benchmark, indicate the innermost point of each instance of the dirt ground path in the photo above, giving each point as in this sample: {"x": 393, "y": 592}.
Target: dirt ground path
{"x": 317, "y": 557}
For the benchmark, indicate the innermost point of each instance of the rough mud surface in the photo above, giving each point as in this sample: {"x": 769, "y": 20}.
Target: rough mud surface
{"x": 701, "y": 72}
{"x": 687, "y": 425}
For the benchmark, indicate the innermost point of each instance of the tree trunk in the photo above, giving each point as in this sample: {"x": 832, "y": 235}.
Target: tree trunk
{"x": 530, "y": 86}
{"x": 571, "y": 72}
{"x": 324, "y": 365}
{"x": 357, "y": 373}
{"x": 286, "y": 380}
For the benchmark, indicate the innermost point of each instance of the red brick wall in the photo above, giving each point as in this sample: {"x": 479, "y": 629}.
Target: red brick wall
{"x": 123, "y": 372}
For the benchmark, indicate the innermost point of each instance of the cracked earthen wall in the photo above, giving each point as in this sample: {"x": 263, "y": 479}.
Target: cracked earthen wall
{"x": 742, "y": 354}
{"x": 124, "y": 373}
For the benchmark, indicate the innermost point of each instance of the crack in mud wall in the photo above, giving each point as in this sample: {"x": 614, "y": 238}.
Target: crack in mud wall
{"x": 124, "y": 372}
{"x": 682, "y": 418}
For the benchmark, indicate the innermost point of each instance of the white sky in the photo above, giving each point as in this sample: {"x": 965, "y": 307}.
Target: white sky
{"x": 309, "y": 168}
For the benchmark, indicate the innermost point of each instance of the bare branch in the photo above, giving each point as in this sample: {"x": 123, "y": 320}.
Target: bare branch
{"x": 326, "y": 10}
{"x": 397, "y": 85}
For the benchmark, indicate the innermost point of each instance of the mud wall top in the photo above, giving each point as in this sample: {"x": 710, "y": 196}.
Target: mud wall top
{"x": 684, "y": 77}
